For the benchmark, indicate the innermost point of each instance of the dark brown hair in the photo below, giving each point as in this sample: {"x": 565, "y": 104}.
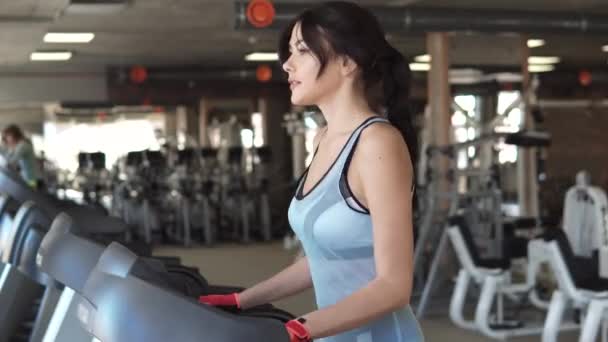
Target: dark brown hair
{"x": 339, "y": 28}
{"x": 14, "y": 131}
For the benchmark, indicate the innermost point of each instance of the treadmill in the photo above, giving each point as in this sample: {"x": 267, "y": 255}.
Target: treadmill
{"x": 29, "y": 296}
{"x": 116, "y": 307}
{"x": 11, "y": 184}
{"x": 21, "y": 283}
{"x": 6, "y": 222}
{"x": 68, "y": 259}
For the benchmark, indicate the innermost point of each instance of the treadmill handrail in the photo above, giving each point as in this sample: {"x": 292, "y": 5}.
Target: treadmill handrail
{"x": 65, "y": 257}
{"x": 114, "y": 308}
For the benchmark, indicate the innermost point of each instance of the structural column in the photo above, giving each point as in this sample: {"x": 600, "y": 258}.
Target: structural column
{"x": 487, "y": 114}
{"x": 263, "y": 108}
{"x": 171, "y": 127}
{"x": 181, "y": 118}
{"x": 273, "y": 108}
{"x": 439, "y": 98}
{"x": 192, "y": 129}
{"x": 203, "y": 121}
{"x": 527, "y": 185}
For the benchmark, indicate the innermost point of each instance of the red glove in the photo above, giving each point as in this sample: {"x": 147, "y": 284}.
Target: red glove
{"x": 297, "y": 331}
{"x": 230, "y": 300}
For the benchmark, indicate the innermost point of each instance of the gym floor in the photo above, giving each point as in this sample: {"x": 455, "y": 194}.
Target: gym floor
{"x": 246, "y": 265}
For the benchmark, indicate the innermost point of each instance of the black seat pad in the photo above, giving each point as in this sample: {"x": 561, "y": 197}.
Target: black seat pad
{"x": 499, "y": 263}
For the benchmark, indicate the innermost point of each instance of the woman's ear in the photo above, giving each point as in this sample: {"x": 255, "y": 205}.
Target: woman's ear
{"x": 348, "y": 66}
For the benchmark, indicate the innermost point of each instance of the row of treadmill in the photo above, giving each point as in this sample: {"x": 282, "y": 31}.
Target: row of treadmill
{"x": 67, "y": 274}
{"x": 186, "y": 196}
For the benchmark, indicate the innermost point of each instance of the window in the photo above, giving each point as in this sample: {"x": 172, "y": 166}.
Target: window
{"x": 465, "y": 126}
{"x": 247, "y": 138}
{"x": 257, "y": 121}
{"x": 64, "y": 140}
{"x": 510, "y": 120}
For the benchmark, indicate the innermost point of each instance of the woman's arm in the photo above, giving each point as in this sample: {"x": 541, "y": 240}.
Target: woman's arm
{"x": 292, "y": 280}
{"x": 385, "y": 172}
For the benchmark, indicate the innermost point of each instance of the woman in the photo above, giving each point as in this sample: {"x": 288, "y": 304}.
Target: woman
{"x": 20, "y": 155}
{"x": 353, "y": 207}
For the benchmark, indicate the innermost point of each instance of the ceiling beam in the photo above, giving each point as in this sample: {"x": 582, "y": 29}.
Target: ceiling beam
{"x": 419, "y": 19}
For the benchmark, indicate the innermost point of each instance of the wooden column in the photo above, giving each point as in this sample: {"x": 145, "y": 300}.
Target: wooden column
{"x": 171, "y": 127}
{"x": 181, "y": 123}
{"x": 439, "y": 98}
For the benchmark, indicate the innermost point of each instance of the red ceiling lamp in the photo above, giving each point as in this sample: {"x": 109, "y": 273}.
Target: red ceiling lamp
{"x": 260, "y": 13}
{"x": 263, "y": 73}
{"x": 138, "y": 74}
{"x": 584, "y": 78}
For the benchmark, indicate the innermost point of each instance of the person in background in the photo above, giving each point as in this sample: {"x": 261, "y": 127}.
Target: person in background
{"x": 20, "y": 155}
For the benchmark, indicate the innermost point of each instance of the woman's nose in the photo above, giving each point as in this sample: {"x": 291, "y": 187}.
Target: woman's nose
{"x": 287, "y": 67}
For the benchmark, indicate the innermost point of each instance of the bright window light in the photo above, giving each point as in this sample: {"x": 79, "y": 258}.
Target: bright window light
{"x": 507, "y": 154}
{"x": 114, "y": 138}
{"x": 471, "y": 133}
{"x": 540, "y": 68}
{"x": 460, "y": 134}
{"x": 459, "y": 119}
{"x": 466, "y": 102}
{"x": 506, "y": 100}
{"x": 247, "y": 138}
{"x": 257, "y": 122}
{"x": 262, "y": 57}
{"x": 64, "y": 37}
{"x": 543, "y": 60}
{"x": 514, "y": 118}
{"x": 605, "y": 48}
{"x": 534, "y": 43}
{"x": 420, "y": 66}
{"x": 462, "y": 160}
{"x": 471, "y": 151}
{"x": 423, "y": 58}
{"x": 51, "y": 56}
{"x": 310, "y": 123}
{"x": 309, "y": 141}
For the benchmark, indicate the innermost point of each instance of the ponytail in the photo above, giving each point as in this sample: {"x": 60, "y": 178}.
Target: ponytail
{"x": 395, "y": 78}
{"x": 339, "y": 28}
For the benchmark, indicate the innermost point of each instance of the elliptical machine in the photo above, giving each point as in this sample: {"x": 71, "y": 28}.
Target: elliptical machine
{"x": 142, "y": 192}
{"x": 188, "y": 199}
{"x": 92, "y": 178}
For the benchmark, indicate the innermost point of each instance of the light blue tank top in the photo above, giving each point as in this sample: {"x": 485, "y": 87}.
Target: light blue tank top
{"x": 336, "y": 234}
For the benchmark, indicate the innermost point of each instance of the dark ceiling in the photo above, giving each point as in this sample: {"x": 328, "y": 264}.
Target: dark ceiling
{"x": 201, "y": 32}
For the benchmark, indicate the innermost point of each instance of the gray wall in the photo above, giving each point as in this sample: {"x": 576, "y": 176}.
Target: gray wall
{"x": 47, "y": 88}
{"x": 30, "y": 118}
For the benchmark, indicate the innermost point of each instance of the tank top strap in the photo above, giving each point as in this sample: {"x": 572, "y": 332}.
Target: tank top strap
{"x": 352, "y": 142}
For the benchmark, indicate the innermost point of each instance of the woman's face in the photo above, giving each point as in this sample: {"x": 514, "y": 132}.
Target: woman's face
{"x": 303, "y": 66}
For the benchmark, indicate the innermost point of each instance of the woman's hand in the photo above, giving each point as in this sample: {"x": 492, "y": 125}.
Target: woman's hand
{"x": 297, "y": 331}
{"x": 229, "y": 301}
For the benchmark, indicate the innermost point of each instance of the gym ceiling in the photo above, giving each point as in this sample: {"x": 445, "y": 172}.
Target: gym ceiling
{"x": 202, "y": 33}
